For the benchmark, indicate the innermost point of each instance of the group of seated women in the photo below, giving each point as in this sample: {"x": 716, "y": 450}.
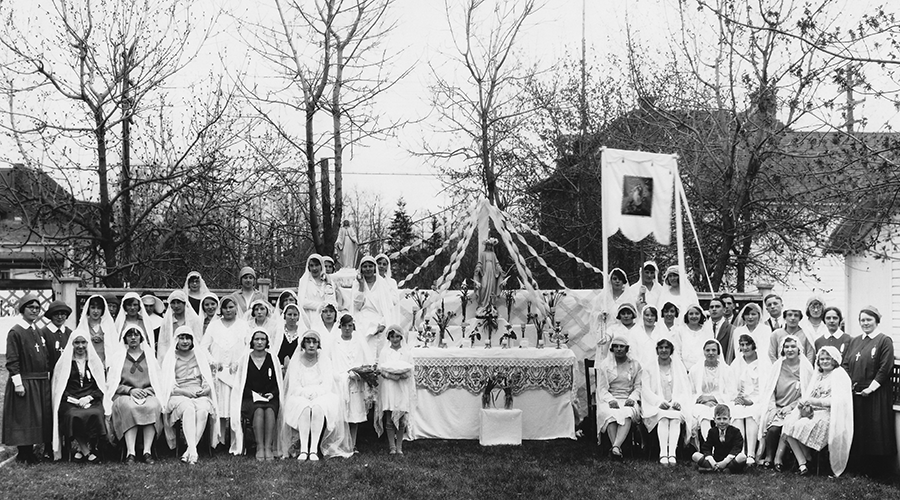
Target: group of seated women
{"x": 290, "y": 375}
{"x": 778, "y": 403}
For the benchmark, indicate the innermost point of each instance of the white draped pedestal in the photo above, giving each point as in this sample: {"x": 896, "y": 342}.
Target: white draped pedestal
{"x": 450, "y": 383}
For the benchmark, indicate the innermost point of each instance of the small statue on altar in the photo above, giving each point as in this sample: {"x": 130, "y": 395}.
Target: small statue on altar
{"x": 487, "y": 275}
{"x": 347, "y": 244}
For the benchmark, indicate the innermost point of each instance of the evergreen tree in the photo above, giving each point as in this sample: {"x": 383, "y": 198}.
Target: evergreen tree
{"x": 401, "y": 234}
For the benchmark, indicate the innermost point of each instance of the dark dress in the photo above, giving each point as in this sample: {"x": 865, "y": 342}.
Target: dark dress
{"x": 261, "y": 381}
{"x": 840, "y": 343}
{"x": 287, "y": 350}
{"x": 196, "y": 304}
{"x": 56, "y": 341}
{"x": 87, "y": 423}
{"x": 870, "y": 359}
{"x": 27, "y": 419}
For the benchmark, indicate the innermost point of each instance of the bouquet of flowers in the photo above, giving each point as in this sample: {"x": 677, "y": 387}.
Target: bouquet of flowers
{"x": 420, "y": 298}
{"x": 368, "y": 373}
{"x": 442, "y": 319}
{"x": 488, "y": 319}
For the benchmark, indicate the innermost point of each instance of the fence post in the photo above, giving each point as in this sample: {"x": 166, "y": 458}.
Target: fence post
{"x": 68, "y": 291}
{"x": 264, "y": 284}
{"x": 764, "y": 289}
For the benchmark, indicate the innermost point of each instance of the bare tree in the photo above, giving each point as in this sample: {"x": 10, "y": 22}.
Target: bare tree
{"x": 764, "y": 159}
{"x": 78, "y": 70}
{"x": 341, "y": 73}
{"x": 481, "y": 114}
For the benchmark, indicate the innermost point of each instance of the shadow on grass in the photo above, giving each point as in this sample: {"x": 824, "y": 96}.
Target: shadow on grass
{"x": 432, "y": 469}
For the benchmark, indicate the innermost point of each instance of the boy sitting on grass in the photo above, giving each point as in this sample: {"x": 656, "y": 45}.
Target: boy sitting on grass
{"x": 721, "y": 451}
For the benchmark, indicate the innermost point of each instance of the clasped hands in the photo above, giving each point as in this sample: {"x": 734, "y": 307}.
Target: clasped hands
{"x": 665, "y": 406}
{"x": 707, "y": 400}
{"x": 615, "y": 404}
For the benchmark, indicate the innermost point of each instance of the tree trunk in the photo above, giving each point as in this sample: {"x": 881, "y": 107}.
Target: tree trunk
{"x": 336, "y": 115}
{"x": 490, "y": 180}
{"x": 107, "y": 243}
{"x": 125, "y": 180}
{"x": 328, "y": 233}
{"x": 311, "y": 178}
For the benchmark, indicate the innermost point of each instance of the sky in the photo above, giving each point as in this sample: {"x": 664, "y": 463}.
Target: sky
{"x": 421, "y": 36}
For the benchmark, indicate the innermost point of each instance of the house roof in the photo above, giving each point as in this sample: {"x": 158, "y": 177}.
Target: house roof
{"x": 30, "y": 232}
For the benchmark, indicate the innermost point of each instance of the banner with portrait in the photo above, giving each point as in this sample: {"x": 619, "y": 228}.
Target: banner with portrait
{"x": 638, "y": 189}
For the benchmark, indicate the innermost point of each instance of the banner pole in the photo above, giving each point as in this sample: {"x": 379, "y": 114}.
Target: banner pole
{"x": 679, "y": 230}
{"x": 603, "y": 225}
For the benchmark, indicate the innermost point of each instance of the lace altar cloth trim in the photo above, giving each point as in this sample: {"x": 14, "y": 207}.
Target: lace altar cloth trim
{"x": 439, "y": 374}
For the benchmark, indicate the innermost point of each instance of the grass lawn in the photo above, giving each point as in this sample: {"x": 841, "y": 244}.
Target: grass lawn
{"x": 432, "y": 469}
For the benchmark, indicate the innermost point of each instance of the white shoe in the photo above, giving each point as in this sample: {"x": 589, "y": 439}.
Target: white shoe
{"x": 672, "y": 461}
{"x": 664, "y": 460}
{"x": 303, "y": 456}
{"x": 750, "y": 461}
{"x": 313, "y": 457}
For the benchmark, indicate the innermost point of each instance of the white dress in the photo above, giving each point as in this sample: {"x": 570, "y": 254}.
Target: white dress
{"x": 396, "y": 396}
{"x": 308, "y": 387}
{"x": 225, "y": 345}
{"x": 692, "y": 344}
{"x": 347, "y": 354}
{"x": 748, "y": 377}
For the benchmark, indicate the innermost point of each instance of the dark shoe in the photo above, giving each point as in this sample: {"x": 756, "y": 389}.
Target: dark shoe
{"x": 779, "y": 468}
{"x": 129, "y": 460}
{"x": 704, "y": 469}
{"x": 148, "y": 459}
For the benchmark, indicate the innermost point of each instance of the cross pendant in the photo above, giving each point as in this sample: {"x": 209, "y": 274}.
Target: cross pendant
{"x": 857, "y": 356}
{"x": 37, "y": 347}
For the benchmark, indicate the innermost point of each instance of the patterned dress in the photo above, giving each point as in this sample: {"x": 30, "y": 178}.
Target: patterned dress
{"x": 812, "y": 432}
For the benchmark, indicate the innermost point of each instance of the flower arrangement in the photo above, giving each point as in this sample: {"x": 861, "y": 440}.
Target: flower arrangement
{"x": 509, "y": 294}
{"x": 538, "y": 325}
{"x": 442, "y": 319}
{"x": 509, "y": 336}
{"x": 488, "y": 322}
{"x": 475, "y": 335}
{"x": 497, "y": 381}
{"x": 552, "y": 299}
{"x": 420, "y": 298}
{"x": 464, "y": 297}
{"x": 368, "y": 373}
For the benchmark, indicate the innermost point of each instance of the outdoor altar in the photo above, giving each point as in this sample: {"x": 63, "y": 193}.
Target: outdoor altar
{"x": 468, "y": 338}
{"x": 528, "y": 342}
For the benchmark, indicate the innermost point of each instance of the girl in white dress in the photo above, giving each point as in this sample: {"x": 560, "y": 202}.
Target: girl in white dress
{"x": 397, "y": 391}
{"x": 225, "y": 340}
{"x": 311, "y": 406}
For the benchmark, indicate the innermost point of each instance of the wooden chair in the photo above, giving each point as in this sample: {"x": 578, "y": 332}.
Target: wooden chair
{"x": 590, "y": 422}
{"x": 637, "y": 440}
